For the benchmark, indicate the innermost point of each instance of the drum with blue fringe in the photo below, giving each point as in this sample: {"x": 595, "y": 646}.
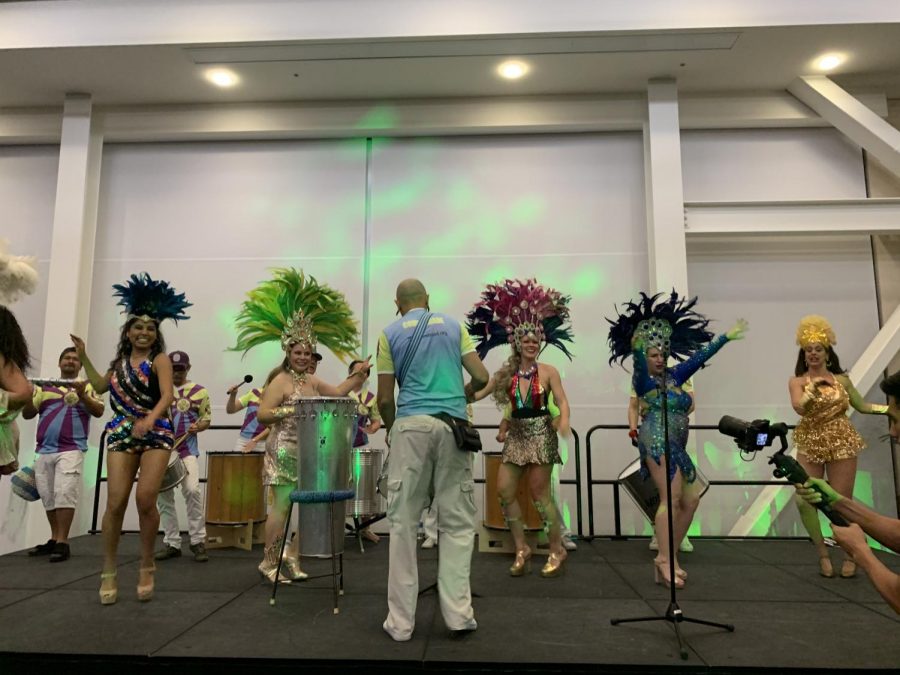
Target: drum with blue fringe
{"x": 325, "y": 430}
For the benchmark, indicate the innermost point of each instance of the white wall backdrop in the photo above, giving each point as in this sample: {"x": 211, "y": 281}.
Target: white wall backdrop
{"x": 461, "y": 212}
{"x": 213, "y": 219}
{"x": 27, "y": 193}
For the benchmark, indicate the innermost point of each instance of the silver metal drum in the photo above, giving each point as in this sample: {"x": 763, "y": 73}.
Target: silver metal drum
{"x": 365, "y": 467}
{"x": 644, "y": 493}
{"x": 175, "y": 473}
{"x": 325, "y": 430}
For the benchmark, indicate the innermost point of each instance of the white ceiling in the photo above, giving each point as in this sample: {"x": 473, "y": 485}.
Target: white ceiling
{"x": 754, "y": 59}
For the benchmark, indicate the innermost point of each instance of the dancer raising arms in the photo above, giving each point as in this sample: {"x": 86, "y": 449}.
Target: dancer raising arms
{"x": 296, "y": 310}
{"x": 525, "y": 315}
{"x": 650, "y": 331}
{"x": 139, "y": 381}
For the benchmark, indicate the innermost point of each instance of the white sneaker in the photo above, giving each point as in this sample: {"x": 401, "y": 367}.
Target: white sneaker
{"x": 686, "y": 546}
{"x": 429, "y": 542}
{"x": 569, "y": 543}
{"x": 654, "y": 545}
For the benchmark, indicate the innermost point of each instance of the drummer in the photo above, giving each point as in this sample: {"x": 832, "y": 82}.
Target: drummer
{"x": 190, "y": 415}
{"x": 368, "y": 421}
{"x": 65, "y": 413}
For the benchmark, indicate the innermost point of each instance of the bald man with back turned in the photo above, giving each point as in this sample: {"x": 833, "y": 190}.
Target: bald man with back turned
{"x": 426, "y": 353}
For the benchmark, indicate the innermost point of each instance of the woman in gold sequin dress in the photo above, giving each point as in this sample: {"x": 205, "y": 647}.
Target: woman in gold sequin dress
{"x": 523, "y": 315}
{"x": 293, "y": 308}
{"x": 826, "y": 441}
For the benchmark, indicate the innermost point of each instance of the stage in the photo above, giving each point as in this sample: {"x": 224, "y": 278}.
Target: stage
{"x": 217, "y": 614}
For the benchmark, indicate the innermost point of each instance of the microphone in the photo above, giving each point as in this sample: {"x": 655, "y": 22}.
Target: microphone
{"x": 247, "y": 379}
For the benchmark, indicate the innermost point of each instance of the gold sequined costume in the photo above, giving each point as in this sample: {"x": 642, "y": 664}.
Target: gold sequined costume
{"x": 531, "y": 440}
{"x": 824, "y": 434}
{"x": 282, "y": 450}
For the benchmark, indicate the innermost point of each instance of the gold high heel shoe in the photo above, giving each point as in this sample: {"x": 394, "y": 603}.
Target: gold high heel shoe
{"x": 290, "y": 567}
{"x": 848, "y": 569}
{"x": 108, "y": 596}
{"x": 145, "y": 591}
{"x": 553, "y": 566}
{"x": 825, "y": 568}
{"x": 661, "y": 574}
{"x": 268, "y": 568}
{"x": 522, "y": 563}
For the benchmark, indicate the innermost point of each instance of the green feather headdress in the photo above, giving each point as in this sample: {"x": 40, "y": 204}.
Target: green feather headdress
{"x": 293, "y": 307}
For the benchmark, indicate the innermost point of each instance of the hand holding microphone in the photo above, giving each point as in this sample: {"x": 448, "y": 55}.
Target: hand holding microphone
{"x": 233, "y": 390}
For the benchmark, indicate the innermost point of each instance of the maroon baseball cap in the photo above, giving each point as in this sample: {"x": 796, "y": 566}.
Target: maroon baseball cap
{"x": 180, "y": 360}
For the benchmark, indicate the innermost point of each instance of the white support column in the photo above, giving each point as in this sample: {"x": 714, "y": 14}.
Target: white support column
{"x": 74, "y": 231}
{"x": 850, "y": 117}
{"x": 880, "y": 352}
{"x": 663, "y": 189}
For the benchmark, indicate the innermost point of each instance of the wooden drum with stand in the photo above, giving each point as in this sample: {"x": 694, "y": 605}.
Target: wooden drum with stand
{"x": 235, "y": 499}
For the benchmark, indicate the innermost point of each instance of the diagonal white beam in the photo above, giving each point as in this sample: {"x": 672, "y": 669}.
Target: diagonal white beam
{"x": 880, "y": 352}
{"x": 849, "y": 116}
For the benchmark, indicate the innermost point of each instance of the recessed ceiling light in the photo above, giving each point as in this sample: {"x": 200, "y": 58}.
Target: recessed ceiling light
{"x": 830, "y": 61}
{"x": 222, "y": 77}
{"x": 512, "y": 70}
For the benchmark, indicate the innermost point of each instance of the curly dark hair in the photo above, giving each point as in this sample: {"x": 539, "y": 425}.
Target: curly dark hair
{"x": 891, "y": 385}
{"x": 12, "y": 342}
{"x": 832, "y": 363}
{"x": 124, "y": 348}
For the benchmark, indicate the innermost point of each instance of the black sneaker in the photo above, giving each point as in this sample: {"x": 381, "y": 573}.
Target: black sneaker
{"x": 199, "y": 551}
{"x": 43, "y": 549}
{"x": 60, "y": 552}
{"x": 167, "y": 552}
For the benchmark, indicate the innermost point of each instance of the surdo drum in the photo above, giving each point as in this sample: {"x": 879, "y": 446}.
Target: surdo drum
{"x": 325, "y": 430}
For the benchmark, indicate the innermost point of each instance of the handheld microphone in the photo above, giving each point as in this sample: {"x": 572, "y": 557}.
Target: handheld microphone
{"x": 248, "y": 379}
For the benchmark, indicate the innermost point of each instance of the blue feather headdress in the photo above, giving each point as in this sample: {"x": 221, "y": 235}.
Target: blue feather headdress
{"x": 670, "y": 325}
{"x": 509, "y": 311}
{"x": 146, "y": 298}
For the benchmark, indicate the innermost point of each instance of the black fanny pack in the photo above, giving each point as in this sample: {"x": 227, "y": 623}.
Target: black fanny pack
{"x": 465, "y": 435}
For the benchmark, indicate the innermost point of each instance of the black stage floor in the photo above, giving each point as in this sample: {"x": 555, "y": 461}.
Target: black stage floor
{"x": 217, "y": 614}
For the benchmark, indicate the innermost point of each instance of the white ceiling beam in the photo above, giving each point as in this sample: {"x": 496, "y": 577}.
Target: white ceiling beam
{"x": 851, "y": 117}
{"x": 82, "y": 23}
{"x": 324, "y": 119}
{"x": 839, "y": 216}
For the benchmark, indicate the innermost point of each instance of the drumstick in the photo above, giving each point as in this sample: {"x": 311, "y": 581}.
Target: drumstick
{"x": 180, "y": 440}
{"x": 54, "y": 382}
{"x": 247, "y": 380}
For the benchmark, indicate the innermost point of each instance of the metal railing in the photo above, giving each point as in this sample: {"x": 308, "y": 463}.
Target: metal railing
{"x": 616, "y": 486}
{"x": 100, "y": 478}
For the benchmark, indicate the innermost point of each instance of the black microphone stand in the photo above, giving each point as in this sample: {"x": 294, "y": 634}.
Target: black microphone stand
{"x": 673, "y": 614}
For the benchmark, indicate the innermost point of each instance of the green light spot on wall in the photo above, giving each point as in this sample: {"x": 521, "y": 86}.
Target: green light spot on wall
{"x": 379, "y": 117}
{"x": 587, "y": 282}
{"x": 526, "y": 210}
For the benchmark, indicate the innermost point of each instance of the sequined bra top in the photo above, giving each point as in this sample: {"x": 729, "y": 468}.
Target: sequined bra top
{"x": 534, "y": 404}
{"x": 831, "y": 403}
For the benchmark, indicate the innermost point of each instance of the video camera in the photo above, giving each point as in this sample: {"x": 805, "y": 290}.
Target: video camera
{"x": 753, "y": 436}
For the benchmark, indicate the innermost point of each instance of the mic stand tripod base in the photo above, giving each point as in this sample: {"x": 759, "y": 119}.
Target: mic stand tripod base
{"x": 673, "y": 614}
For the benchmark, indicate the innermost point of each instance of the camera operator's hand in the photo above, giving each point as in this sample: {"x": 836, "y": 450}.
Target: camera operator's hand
{"x": 851, "y": 538}
{"x": 737, "y": 331}
{"x": 812, "y": 492}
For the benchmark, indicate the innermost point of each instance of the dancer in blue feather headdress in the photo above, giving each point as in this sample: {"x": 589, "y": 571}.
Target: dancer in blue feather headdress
{"x": 139, "y": 381}
{"x": 651, "y": 330}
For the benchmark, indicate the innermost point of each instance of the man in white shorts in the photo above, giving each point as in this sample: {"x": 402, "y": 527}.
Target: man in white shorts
{"x": 65, "y": 413}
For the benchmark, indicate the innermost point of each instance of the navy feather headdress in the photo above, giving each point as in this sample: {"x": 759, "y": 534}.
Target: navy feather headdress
{"x": 509, "y": 311}
{"x": 671, "y": 325}
{"x": 144, "y": 297}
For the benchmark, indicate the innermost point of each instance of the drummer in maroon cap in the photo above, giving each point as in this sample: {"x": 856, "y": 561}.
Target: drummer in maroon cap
{"x": 190, "y": 415}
